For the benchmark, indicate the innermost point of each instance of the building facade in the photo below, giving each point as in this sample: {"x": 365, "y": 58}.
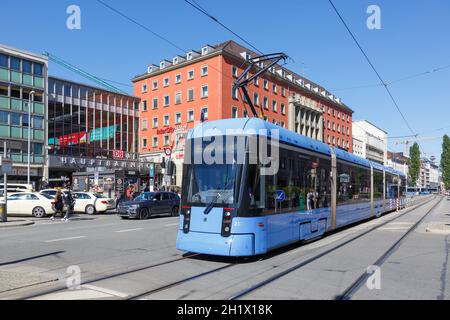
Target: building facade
{"x": 23, "y": 81}
{"x": 175, "y": 93}
{"x": 93, "y": 136}
{"x": 429, "y": 175}
{"x": 398, "y": 161}
{"x": 370, "y": 141}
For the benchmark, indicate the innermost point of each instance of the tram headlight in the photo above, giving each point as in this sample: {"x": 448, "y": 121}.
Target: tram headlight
{"x": 227, "y": 218}
{"x": 186, "y": 212}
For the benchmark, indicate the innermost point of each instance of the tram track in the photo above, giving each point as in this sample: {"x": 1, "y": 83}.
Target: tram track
{"x": 308, "y": 261}
{"x": 361, "y": 280}
{"x": 110, "y": 276}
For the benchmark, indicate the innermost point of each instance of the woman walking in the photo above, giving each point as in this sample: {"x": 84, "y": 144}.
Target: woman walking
{"x": 59, "y": 204}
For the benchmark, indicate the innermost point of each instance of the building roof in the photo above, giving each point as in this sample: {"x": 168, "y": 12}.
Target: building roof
{"x": 27, "y": 54}
{"x": 359, "y": 121}
{"x": 235, "y": 50}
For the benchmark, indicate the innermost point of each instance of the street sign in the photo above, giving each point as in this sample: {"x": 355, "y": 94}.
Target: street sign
{"x": 96, "y": 178}
{"x": 5, "y": 166}
{"x": 281, "y": 196}
{"x": 152, "y": 170}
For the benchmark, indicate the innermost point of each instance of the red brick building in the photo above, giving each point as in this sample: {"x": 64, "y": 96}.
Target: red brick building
{"x": 175, "y": 92}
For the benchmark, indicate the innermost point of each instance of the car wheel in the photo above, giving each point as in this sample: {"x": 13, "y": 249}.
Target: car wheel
{"x": 175, "y": 211}
{"x": 38, "y": 212}
{"x": 143, "y": 214}
{"x": 90, "y": 209}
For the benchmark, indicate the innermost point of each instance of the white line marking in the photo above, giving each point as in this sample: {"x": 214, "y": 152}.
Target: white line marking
{"x": 129, "y": 230}
{"x": 64, "y": 239}
{"x": 172, "y": 224}
{"x": 104, "y": 290}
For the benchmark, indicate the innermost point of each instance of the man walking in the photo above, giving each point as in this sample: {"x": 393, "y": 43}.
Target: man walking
{"x": 70, "y": 203}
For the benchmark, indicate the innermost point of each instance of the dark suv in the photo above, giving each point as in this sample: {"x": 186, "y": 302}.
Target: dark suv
{"x": 148, "y": 204}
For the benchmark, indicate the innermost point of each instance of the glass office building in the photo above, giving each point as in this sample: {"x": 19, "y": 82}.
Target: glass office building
{"x": 91, "y": 130}
{"x": 23, "y": 78}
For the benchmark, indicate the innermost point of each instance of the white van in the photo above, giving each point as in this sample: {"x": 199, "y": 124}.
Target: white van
{"x": 16, "y": 187}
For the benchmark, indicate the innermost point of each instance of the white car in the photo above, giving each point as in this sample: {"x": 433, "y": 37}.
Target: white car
{"x": 30, "y": 203}
{"x": 52, "y": 192}
{"x": 91, "y": 203}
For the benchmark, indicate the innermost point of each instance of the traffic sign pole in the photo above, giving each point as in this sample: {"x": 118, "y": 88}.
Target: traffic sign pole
{"x": 4, "y": 213}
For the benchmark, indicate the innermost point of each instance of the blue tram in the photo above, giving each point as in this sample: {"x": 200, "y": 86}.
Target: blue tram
{"x": 250, "y": 186}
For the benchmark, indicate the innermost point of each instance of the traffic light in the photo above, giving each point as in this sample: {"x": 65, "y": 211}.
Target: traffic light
{"x": 170, "y": 168}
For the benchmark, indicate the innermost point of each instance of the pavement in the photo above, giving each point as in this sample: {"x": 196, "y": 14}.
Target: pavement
{"x": 16, "y": 223}
{"x": 111, "y": 258}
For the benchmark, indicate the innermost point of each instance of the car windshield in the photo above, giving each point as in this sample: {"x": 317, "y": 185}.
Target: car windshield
{"x": 144, "y": 196}
{"x": 99, "y": 195}
{"x": 47, "y": 196}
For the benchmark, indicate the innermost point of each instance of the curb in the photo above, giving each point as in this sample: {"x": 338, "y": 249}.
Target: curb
{"x": 11, "y": 224}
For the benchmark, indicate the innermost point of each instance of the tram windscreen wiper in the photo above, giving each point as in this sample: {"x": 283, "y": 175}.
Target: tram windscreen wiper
{"x": 217, "y": 197}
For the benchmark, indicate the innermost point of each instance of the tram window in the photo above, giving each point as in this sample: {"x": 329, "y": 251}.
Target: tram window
{"x": 305, "y": 181}
{"x": 353, "y": 184}
{"x": 378, "y": 185}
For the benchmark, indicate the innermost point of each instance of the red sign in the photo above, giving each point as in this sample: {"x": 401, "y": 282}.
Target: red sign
{"x": 165, "y": 130}
{"x": 118, "y": 154}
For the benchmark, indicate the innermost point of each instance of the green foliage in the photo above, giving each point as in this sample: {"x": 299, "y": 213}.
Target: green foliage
{"x": 414, "y": 164}
{"x": 445, "y": 161}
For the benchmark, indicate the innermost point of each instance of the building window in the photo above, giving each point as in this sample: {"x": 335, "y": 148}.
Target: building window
{"x": 15, "y": 63}
{"x": 155, "y": 122}
{"x": 144, "y": 142}
{"x": 256, "y": 81}
{"x": 144, "y": 88}
{"x": 166, "y": 100}
{"x": 282, "y": 124}
{"x": 166, "y": 120}
{"x": 3, "y": 61}
{"x": 166, "y": 140}
{"x": 178, "y": 98}
{"x": 265, "y": 118}
{"x": 155, "y": 84}
{"x": 155, "y": 103}
{"x": 328, "y": 138}
{"x": 256, "y": 99}
{"x": 274, "y": 87}
{"x": 333, "y": 140}
{"x": 283, "y": 92}
{"x": 178, "y": 78}
{"x": 26, "y": 66}
{"x": 190, "y": 75}
{"x": 338, "y": 142}
{"x": 234, "y": 93}
{"x": 266, "y": 84}
{"x": 348, "y": 131}
{"x": 38, "y": 69}
{"x": 190, "y": 95}
{"x": 274, "y": 106}
{"x": 274, "y": 121}
{"x": 166, "y": 82}
{"x": 234, "y": 112}
{"x": 190, "y": 116}
{"x": 328, "y": 109}
{"x": 144, "y": 124}
{"x": 234, "y": 71}
{"x": 266, "y": 103}
{"x": 205, "y": 113}
{"x": 245, "y": 113}
{"x": 204, "y": 70}
{"x": 144, "y": 105}
{"x": 328, "y": 124}
{"x": 204, "y": 92}
{"x": 283, "y": 109}
{"x": 339, "y": 128}
{"x": 155, "y": 142}
{"x": 177, "y": 118}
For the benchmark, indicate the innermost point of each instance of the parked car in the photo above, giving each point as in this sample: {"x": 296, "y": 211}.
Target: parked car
{"x": 30, "y": 203}
{"x": 148, "y": 204}
{"x": 92, "y": 203}
{"x": 52, "y": 192}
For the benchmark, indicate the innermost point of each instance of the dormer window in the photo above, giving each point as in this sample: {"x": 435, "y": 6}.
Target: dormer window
{"x": 206, "y": 49}
{"x": 175, "y": 60}
{"x": 189, "y": 56}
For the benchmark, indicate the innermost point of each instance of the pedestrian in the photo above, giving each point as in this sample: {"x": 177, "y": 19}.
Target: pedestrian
{"x": 70, "y": 204}
{"x": 58, "y": 204}
{"x": 118, "y": 198}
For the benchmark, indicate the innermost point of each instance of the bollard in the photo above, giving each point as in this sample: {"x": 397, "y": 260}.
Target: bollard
{"x": 3, "y": 216}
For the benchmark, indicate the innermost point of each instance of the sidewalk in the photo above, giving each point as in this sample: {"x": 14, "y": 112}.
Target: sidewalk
{"x": 14, "y": 222}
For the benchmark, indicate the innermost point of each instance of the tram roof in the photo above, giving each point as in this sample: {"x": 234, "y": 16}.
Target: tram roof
{"x": 258, "y": 126}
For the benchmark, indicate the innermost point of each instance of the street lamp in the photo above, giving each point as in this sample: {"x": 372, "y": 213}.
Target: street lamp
{"x": 29, "y": 134}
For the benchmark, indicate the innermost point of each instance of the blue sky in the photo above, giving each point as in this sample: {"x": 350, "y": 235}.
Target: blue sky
{"x": 414, "y": 38}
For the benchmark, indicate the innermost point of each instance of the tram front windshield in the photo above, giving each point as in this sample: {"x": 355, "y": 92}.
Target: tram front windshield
{"x": 207, "y": 183}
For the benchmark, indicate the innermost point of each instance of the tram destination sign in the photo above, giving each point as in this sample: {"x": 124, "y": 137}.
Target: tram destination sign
{"x": 78, "y": 162}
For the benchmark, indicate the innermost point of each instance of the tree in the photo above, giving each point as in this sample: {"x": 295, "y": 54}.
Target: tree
{"x": 445, "y": 161}
{"x": 414, "y": 164}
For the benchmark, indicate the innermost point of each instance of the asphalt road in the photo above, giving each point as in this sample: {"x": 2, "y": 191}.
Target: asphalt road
{"x": 138, "y": 259}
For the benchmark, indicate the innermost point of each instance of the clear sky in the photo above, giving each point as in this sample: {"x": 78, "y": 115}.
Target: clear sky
{"x": 414, "y": 38}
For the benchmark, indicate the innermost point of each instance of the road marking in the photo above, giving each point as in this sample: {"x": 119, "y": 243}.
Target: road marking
{"x": 129, "y": 230}
{"x": 64, "y": 239}
{"x": 104, "y": 290}
{"x": 172, "y": 224}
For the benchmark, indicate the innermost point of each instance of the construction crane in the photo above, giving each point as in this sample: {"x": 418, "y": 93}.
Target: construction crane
{"x": 244, "y": 80}
{"x": 408, "y": 142}
{"x": 83, "y": 73}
